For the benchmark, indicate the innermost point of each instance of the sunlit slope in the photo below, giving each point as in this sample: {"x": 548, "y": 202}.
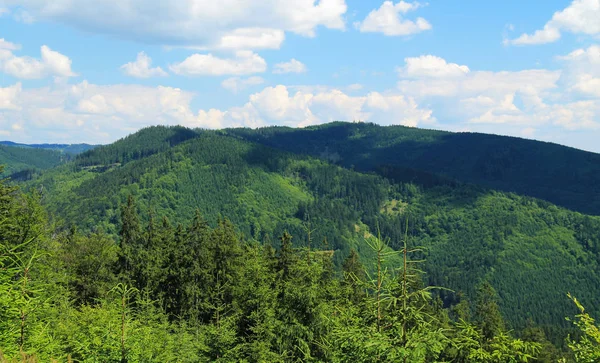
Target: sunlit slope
{"x": 564, "y": 176}
{"x": 531, "y": 250}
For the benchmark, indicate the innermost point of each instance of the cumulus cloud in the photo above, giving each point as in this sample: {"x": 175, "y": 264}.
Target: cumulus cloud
{"x": 8, "y": 97}
{"x": 142, "y": 68}
{"x": 86, "y": 112}
{"x": 55, "y": 63}
{"x": 389, "y": 20}
{"x": 277, "y": 105}
{"x": 580, "y": 17}
{"x": 582, "y": 71}
{"x": 293, "y": 66}
{"x": 481, "y": 83}
{"x": 244, "y": 62}
{"x": 237, "y": 84}
{"x": 52, "y": 63}
{"x": 252, "y": 38}
{"x": 354, "y": 87}
{"x": 4, "y": 44}
{"x": 231, "y": 24}
{"x": 511, "y": 100}
{"x": 431, "y": 66}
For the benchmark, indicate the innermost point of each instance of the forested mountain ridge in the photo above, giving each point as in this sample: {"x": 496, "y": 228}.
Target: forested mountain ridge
{"x": 532, "y": 251}
{"x": 17, "y": 159}
{"x": 562, "y": 175}
{"x": 22, "y": 161}
{"x": 72, "y": 149}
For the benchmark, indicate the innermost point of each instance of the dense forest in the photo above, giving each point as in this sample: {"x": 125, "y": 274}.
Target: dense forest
{"x": 564, "y": 176}
{"x": 72, "y": 149}
{"x": 194, "y": 293}
{"x": 192, "y": 245}
{"x": 23, "y": 161}
{"x": 16, "y": 159}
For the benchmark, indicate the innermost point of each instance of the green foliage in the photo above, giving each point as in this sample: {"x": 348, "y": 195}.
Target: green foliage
{"x": 119, "y": 274}
{"x": 72, "y": 149}
{"x": 559, "y": 174}
{"x": 587, "y": 348}
{"x": 473, "y": 346}
{"x": 197, "y": 293}
{"x": 396, "y": 322}
{"x": 519, "y": 244}
{"x": 22, "y": 164}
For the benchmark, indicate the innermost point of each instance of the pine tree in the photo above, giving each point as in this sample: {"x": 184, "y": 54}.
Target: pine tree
{"x": 130, "y": 236}
{"x": 487, "y": 313}
{"x": 285, "y": 256}
{"x": 354, "y": 277}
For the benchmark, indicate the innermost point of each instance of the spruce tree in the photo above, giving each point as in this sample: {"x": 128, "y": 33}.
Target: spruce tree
{"x": 487, "y": 312}
{"x": 130, "y": 235}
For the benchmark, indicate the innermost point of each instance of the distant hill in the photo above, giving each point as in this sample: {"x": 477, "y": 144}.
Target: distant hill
{"x": 562, "y": 175}
{"x": 22, "y": 161}
{"x": 532, "y": 251}
{"x": 19, "y": 163}
{"x": 73, "y": 149}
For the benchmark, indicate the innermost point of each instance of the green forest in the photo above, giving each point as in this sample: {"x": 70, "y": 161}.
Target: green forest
{"x": 343, "y": 242}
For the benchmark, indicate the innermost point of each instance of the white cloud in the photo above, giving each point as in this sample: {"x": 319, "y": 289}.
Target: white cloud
{"x": 252, "y": 38}
{"x": 93, "y": 113}
{"x": 588, "y": 84}
{"x": 52, "y": 63}
{"x": 591, "y": 55}
{"x": 580, "y": 17}
{"x": 56, "y": 64}
{"x": 141, "y": 68}
{"x": 276, "y": 105}
{"x": 400, "y": 109}
{"x": 388, "y": 19}
{"x": 578, "y": 115}
{"x": 236, "y": 84}
{"x": 508, "y": 102}
{"x": 431, "y": 66}
{"x": 245, "y": 62}
{"x": 4, "y": 44}
{"x": 236, "y": 24}
{"x": 87, "y": 112}
{"x": 8, "y": 97}
{"x": 355, "y": 87}
{"x": 582, "y": 71}
{"x": 482, "y": 83}
{"x": 24, "y": 17}
{"x": 293, "y": 66}
{"x": 547, "y": 35}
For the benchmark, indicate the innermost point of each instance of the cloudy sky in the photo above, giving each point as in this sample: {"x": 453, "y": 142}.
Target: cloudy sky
{"x": 96, "y": 70}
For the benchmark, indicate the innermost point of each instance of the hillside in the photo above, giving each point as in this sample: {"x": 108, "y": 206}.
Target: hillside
{"x": 564, "y": 176}
{"x": 72, "y": 149}
{"x": 17, "y": 159}
{"x": 532, "y": 251}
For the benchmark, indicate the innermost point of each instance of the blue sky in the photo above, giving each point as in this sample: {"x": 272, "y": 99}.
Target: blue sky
{"x": 96, "y": 70}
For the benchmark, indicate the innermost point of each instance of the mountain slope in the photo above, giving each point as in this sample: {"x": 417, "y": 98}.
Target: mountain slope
{"x": 16, "y": 159}
{"x": 564, "y": 176}
{"x": 72, "y": 149}
{"x": 531, "y": 250}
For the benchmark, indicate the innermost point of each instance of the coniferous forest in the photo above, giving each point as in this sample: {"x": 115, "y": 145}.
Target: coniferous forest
{"x": 289, "y": 245}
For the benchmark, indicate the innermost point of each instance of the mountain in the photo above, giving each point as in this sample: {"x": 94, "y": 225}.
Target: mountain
{"x": 531, "y": 250}
{"x": 73, "y": 149}
{"x": 562, "y": 175}
{"x": 22, "y": 161}
{"x": 18, "y": 160}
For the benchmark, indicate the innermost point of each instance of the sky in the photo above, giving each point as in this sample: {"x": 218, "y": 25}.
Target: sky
{"x": 94, "y": 71}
